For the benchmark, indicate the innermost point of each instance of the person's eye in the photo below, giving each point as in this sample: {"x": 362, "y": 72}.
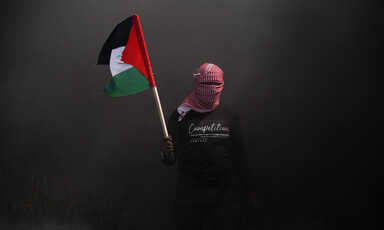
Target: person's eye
{"x": 210, "y": 83}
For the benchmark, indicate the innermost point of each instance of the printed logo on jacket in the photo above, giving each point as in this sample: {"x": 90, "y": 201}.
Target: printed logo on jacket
{"x": 202, "y": 131}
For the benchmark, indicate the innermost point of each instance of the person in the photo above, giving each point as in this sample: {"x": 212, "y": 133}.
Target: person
{"x": 205, "y": 139}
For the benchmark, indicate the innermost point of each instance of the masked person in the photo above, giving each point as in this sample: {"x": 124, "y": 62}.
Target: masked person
{"x": 205, "y": 139}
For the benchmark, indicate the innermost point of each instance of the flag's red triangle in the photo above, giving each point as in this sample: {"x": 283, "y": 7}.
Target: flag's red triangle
{"x": 135, "y": 52}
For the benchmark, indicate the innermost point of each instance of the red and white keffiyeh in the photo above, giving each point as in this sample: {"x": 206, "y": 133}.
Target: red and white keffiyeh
{"x": 208, "y": 84}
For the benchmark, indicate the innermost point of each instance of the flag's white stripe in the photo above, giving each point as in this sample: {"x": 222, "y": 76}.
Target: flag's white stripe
{"x": 115, "y": 63}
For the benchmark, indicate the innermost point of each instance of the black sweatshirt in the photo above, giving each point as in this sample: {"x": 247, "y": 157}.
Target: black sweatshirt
{"x": 207, "y": 145}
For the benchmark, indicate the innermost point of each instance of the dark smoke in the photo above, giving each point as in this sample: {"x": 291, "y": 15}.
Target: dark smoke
{"x": 303, "y": 75}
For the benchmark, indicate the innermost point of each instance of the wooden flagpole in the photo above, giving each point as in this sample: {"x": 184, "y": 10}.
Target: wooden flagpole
{"x": 160, "y": 111}
{"x": 136, "y": 20}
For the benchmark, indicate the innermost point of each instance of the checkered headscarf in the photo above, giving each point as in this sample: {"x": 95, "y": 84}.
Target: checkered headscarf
{"x": 204, "y": 98}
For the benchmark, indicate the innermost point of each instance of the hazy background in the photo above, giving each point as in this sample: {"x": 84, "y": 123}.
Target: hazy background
{"x": 304, "y": 75}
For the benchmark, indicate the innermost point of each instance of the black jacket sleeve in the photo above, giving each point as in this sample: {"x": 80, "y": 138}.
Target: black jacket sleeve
{"x": 239, "y": 158}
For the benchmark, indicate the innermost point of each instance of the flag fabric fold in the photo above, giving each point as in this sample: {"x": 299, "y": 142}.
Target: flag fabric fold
{"x": 126, "y": 53}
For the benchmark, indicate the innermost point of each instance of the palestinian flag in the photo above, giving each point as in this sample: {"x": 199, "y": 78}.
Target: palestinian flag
{"x": 126, "y": 53}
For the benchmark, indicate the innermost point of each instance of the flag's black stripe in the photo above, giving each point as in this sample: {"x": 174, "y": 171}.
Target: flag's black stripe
{"x": 119, "y": 37}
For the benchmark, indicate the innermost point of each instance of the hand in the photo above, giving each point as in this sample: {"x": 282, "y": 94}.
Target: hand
{"x": 166, "y": 145}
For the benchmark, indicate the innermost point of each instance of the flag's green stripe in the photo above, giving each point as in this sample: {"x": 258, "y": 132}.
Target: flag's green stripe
{"x": 125, "y": 83}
